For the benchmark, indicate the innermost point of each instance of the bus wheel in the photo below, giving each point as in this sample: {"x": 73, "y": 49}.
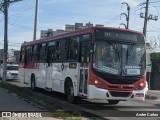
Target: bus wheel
{"x": 113, "y": 102}
{"x": 33, "y": 85}
{"x": 70, "y": 93}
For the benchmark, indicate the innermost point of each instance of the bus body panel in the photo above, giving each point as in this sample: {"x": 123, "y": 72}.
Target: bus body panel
{"x": 61, "y": 71}
{"x": 97, "y": 93}
{"x": 54, "y": 74}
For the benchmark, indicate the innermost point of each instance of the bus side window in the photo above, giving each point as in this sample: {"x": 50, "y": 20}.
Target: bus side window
{"x": 36, "y": 52}
{"x": 43, "y": 51}
{"x": 58, "y": 52}
{"x": 51, "y": 53}
{"x": 72, "y": 48}
{"x": 22, "y": 55}
{"x": 28, "y": 54}
{"x": 85, "y": 52}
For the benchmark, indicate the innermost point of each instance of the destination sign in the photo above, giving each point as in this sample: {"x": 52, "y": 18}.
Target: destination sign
{"x": 118, "y": 35}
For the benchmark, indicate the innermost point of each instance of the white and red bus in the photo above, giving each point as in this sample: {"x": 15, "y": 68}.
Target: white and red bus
{"x": 94, "y": 63}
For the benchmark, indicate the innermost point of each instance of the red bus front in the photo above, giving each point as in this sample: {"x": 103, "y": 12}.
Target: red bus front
{"x": 117, "y": 69}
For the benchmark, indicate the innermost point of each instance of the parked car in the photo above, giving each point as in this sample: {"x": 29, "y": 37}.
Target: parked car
{"x": 12, "y": 71}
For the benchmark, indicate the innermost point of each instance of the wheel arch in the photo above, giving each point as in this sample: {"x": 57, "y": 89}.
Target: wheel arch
{"x": 33, "y": 76}
{"x": 66, "y": 82}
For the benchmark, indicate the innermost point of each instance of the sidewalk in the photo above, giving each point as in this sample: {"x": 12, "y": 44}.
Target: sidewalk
{"x": 154, "y": 94}
{"x": 10, "y": 102}
{"x": 18, "y": 83}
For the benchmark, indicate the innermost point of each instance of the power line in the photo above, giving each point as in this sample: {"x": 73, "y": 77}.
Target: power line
{"x": 14, "y": 43}
{"x": 32, "y": 6}
{"x": 156, "y": 6}
{"x": 25, "y": 27}
{"x": 111, "y": 20}
{"x": 154, "y": 2}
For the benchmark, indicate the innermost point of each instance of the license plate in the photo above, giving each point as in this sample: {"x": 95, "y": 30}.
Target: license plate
{"x": 133, "y": 71}
{"x": 14, "y": 76}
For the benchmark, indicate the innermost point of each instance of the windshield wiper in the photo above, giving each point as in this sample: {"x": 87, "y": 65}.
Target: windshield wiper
{"x": 129, "y": 49}
{"x": 116, "y": 49}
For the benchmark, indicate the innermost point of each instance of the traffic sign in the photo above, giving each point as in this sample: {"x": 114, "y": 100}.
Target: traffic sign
{"x": 149, "y": 67}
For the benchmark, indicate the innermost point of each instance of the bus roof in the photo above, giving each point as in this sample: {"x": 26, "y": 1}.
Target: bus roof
{"x": 77, "y": 32}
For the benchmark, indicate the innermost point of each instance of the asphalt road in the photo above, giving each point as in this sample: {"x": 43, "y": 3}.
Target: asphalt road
{"x": 129, "y": 109}
{"x": 124, "y": 108}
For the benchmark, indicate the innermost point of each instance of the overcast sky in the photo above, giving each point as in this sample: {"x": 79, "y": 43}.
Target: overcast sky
{"x": 55, "y": 14}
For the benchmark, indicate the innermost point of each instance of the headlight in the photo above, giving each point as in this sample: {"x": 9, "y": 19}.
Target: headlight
{"x": 8, "y": 72}
{"x": 140, "y": 86}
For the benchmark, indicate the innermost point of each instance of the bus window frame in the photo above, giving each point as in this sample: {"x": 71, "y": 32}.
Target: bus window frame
{"x": 22, "y": 54}
{"x": 44, "y": 54}
{"x": 52, "y": 59}
{"x": 68, "y": 48}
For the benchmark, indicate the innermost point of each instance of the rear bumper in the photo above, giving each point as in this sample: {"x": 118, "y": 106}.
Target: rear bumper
{"x": 103, "y": 94}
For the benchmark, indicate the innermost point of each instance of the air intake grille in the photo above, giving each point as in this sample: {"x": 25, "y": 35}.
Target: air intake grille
{"x": 14, "y": 73}
{"x": 120, "y": 94}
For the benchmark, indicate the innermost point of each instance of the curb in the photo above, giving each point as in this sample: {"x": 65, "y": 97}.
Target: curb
{"x": 151, "y": 97}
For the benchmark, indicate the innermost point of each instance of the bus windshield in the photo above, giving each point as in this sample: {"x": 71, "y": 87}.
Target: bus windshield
{"x": 107, "y": 57}
{"x": 119, "y": 58}
{"x": 133, "y": 59}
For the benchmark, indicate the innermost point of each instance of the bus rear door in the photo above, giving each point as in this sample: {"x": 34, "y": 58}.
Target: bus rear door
{"x": 49, "y": 65}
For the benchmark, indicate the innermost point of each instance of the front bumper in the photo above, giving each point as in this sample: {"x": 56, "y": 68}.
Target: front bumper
{"x": 103, "y": 94}
{"x": 11, "y": 77}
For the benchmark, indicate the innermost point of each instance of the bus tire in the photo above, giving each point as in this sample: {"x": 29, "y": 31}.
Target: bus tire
{"x": 33, "y": 84}
{"x": 113, "y": 102}
{"x": 70, "y": 93}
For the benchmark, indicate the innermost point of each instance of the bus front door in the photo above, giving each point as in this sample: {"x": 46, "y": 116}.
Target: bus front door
{"x": 84, "y": 68}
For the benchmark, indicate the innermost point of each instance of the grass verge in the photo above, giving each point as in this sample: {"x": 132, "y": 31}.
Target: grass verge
{"x": 30, "y": 96}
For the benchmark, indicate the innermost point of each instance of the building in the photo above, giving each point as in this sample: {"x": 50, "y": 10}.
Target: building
{"x": 59, "y": 32}
{"x": 13, "y": 56}
{"x": 50, "y": 32}
{"x": 99, "y": 25}
{"x": 46, "y": 33}
{"x": 78, "y": 26}
{"x": 68, "y": 28}
{"x": 89, "y": 25}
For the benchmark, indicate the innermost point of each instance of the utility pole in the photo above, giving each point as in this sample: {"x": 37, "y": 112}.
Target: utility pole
{"x": 5, "y": 39}
{"x": 127, "y": 15}
{"x": 4, "y": 8}
{"x": 35, "y": 21}
{"x": 147, "y": 18}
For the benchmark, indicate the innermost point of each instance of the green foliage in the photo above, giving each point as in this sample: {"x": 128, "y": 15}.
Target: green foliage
{"x": 155, "y": 58}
